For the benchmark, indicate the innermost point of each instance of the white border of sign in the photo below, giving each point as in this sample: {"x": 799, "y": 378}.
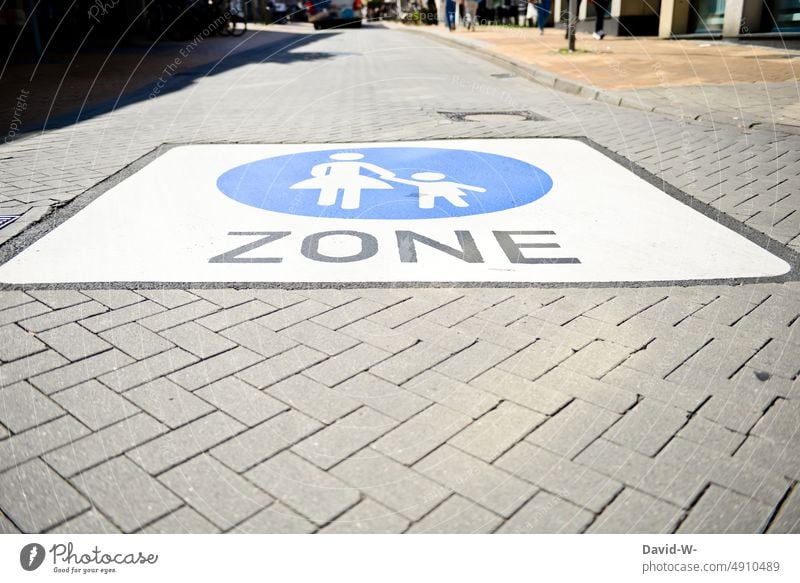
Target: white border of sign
{"x": 166, "y": 221}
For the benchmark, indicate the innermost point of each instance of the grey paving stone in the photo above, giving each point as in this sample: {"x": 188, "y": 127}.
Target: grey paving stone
{"x": 30, "y": 366}
{"x": 636, "y": 512}
{"x": 405, "y": 311}
{"x": 778, "y": 424}
{"x": 215, "y": 368}
{"x": 6, "y": 526}
{"x": 497, "y": 431}
{"x": 216, "y": 492}
{"x": 78, "y": 372}
{"x": 23, "y": 407}
{"x": 91, "y": 522}
{"x": 523, "y": 392}
{"x": 293, "y": 314}
{"x": 276, "y": 519}
{"x": 57, "y": 299}
{"x": 168, "y": 402}
{"x": 225, "y": 297}
{"x": 36, "y": 498}
{"x": 535, "y": 360}
{"x": 407, "y": 364}
{"x": 633, "y": 333}
{"x": 184, "y": 520}
{"x": 197, "y": 339}
{"x": 421, "y": 434}
{"x": 722, "y": 511}
{"x": 348, "y": 313}
{"x": 587, "y": 389}
{"x": 473, "y": 361}
{"x": 265, "y": 440}
{"x": 319, "y": 337}
{"x": 279, "y": 367}
{"x": 648, "y": 426}
{"x": 258, "y": 339}
{"x": 12, "y": 298}
{"x": 547, "y": 514}
{"x": 74, "y": 341}
{"x": 343, "y": 438}
{"x": 120, "y": 316}
{"x": 712, "y": 435}
{"x": 175, "y": 316}
{"x": 452, "y": 393}
{"x": 739, "y": 475}
{"x": 241, "y": 401}
{"x": 95, "y": 405}
{"x": 34, "y": 442}
{"x": 663, "y": 479}
{"x": 737, "y": 409}
{"x": 573, "y": 428}
{"x": 236, "y": 315}
{"x": 433, "y": 334}
{"x": 380, "y": 336}
{"x": 169, "y": 298}
{"x": 674, "y": 394}
{"x": 382, "y": 396}
{"x": 558, "y": 335}
{"x": 148, "y": 369}
{"x": 60, "y": 317}
{"x": 510, "y": 338}
{"x": 16, "y": 343}
{"x": 313, "y": 398}
{"x": 597, "y": 359}
{"x": 575, "y": 483}
{"x": 302, "y": 486}
{"x": 23, "y": 312}
{"x": 392, "y": 484}
{"x": 457, "y": 515}
{"x": 367, "y": 517}
{"x": 136, "y": 340}
{"x": 114, "y": 298}
{"x": 347, "y": 364}
{"x": 483, "y": 483}
{"x": 100, "y": 446}
{"x": 185, "y": 442}
{"x": 280, "y": 298}
{"x": 125, "y": 493}
{"x": 787, "y": 520}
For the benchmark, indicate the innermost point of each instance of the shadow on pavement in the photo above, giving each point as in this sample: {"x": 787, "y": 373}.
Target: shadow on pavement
{"x": 68, "y": 89}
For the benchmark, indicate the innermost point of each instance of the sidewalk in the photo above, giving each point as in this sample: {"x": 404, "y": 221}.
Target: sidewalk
{"x": 743, "y": 85}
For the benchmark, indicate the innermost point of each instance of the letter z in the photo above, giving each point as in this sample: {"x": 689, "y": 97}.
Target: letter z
{"x": 234, "y": 255}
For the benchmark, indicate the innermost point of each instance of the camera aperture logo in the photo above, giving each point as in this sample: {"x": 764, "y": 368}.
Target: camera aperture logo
{"x": 31, "y": 556}
{"x": 66, "y": 559}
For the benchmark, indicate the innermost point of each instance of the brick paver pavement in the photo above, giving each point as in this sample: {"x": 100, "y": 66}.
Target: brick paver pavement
{"x": 578, "y": 409}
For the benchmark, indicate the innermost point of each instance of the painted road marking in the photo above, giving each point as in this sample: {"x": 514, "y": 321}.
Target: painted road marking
{"x": 531, "y": 210}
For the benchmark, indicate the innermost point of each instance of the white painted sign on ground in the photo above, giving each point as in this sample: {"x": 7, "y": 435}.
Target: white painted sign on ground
{"x": 533, "y": 210}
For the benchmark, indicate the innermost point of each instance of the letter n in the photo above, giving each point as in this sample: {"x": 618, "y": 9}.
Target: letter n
{"x": 406, "y": 244}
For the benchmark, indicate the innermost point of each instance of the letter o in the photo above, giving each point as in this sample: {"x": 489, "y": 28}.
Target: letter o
{"x": 310, "y": 247}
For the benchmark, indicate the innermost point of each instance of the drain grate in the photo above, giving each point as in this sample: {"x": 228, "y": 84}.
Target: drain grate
{"x": 502, "y": 75}
{"x": 6, "y": 220}
{"x": 493, "y": 116}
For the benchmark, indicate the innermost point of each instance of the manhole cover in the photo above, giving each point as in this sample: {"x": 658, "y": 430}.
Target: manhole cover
{"x": 493, "y": 116}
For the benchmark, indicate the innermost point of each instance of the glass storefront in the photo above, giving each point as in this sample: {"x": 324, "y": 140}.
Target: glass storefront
{"x": 781, "y": 16}
{"x": 707, "y": 16}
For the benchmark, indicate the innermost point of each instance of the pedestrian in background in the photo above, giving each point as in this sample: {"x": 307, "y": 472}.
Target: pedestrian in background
{"x": 530, "y": 12}
{"x": 601, "y": 10}
{"x": 542, "y": 14}
{"x": 450, "y": 12}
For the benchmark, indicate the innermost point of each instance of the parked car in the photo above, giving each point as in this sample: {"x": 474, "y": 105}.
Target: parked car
{"x": 334, "y": 13}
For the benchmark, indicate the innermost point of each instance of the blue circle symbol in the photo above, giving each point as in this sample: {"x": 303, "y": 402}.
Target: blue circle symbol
{"x": 386, "y": 183}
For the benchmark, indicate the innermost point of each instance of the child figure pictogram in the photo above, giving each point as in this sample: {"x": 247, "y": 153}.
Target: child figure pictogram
{"x": 431, "y": 186}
